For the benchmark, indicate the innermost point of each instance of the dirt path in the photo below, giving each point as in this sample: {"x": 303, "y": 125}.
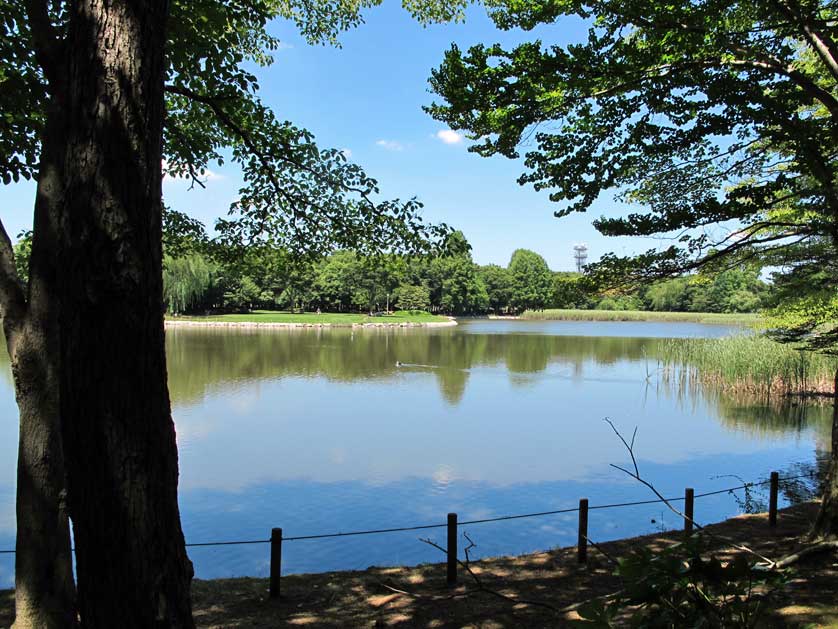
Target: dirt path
{"x": 369, "y": 599}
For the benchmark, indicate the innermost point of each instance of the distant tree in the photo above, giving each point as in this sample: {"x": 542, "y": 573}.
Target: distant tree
{"x": 734, "y": 290}
{"x": 570, "y": 290}
{"x": 673, "y": 295}
{"x": 498, "y": 283}
{"x": 338, "y": 278}
{"x": 241, "y": 293}
{"x": 187, "y": 281}
{"x": 412, "y": 297}
{"x": 531, "y": 280}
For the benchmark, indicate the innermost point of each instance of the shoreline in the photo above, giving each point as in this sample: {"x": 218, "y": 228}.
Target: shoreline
{"x": 652, "y": 316}
{"x": 416, "y": 597}
{"x": 192, "y": 323}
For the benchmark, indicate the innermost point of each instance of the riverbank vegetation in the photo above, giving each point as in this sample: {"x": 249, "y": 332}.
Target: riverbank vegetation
{"x": 565, "y": 314}
{"x": 752, "y": 363}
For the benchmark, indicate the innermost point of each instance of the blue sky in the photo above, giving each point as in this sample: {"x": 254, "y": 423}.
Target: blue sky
{"x": 367, "y": 98}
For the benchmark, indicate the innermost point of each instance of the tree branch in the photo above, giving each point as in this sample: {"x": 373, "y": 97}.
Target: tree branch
{"x": 12, "y": 297}
{"x": 636, "y": 476}
{"x": 48, "y": 46}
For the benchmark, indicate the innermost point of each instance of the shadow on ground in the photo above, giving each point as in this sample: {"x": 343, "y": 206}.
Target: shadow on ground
{"x": 417, "y": 597}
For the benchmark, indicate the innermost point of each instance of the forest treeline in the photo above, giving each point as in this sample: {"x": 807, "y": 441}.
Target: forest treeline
{"x": 202, "y": 275}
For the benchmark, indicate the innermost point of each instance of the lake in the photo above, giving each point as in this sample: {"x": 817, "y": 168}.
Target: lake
{"x": 319, "y": 431}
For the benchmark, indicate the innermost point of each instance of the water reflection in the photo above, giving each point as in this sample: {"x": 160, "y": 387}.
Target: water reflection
{"x": 320, "y": 429}
{"x": 201, "y": 361}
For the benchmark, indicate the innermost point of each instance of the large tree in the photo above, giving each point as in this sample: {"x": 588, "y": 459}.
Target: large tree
{"x": 94, "y": 96}
{"x": 718, "y": 117}
{"x": 531, "y": 280}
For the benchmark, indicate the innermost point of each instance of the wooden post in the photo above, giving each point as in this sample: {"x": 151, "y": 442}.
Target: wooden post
{"x": 276, "y": 561}
{"x": 689, "y": 503}
{"x": 772, "y": 499}
{"x": 452, "y": 549}
{"x": 582, "y": 543}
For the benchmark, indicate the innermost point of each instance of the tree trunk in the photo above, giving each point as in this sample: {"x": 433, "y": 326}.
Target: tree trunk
{"x": 826, "y": 524}
{"x": 44, "y": 589}
{"x": 119, "y": 438}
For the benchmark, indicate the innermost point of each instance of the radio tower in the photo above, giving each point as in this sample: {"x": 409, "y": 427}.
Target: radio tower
{"x": 580, "y": 254}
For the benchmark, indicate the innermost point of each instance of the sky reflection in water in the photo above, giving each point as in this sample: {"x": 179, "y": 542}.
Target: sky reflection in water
{"x": 319, "y": 431}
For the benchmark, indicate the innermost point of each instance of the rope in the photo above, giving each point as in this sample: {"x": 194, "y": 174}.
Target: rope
{"x": 484, "y": 520}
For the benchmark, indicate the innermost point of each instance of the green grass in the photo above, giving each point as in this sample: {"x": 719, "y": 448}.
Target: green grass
{"x": 334, "y": 318}
{"x": 640, "y": 315}
{"x": 752, "y": 364}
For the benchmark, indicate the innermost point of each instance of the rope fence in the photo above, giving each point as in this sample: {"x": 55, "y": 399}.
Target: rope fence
{"x": 276, "y": 540}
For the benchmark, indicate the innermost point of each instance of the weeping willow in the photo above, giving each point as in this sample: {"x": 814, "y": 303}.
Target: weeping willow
{"x": 187, "y": 281}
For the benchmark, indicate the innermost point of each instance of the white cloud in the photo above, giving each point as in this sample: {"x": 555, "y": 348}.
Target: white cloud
{"x": 449, "y": 137}
{"x": 207, "y": 175}
{"x": 390, "y": 145}
{"x": 347, "y": 153}
{"x": 284, "y": 46}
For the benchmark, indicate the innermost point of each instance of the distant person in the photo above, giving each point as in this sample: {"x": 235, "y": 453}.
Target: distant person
{"x": 318, "y": 311}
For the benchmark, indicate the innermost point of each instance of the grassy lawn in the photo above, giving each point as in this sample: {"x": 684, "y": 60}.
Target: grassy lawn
{"x": 336, "y": 318}
{"x": 640, "y": 315}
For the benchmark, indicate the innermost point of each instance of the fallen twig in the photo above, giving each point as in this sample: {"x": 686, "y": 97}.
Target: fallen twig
{"x": 481, "y": 587}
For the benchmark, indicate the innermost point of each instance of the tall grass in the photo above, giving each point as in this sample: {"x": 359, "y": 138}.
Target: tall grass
{"x": 750, "y": 363}
{"x": 639, "y": 315}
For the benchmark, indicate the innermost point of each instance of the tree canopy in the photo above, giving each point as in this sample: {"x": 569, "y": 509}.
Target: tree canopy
{"x": 718, "y": 117}
{"x": 296, "y": 194}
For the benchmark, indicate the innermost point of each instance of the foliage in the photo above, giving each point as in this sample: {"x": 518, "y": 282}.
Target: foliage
{"x": 412, "y": 297}
{"x": 531, "y": 280}
{"x": 571, "y": 290}
{"x": 498, "y": 283}
{"x": 188, "y": 282}
{"x": 264, "y": 276}
{"x": 458, "y": 285}
{"x": 296, "y": 194}
{"x": 683, "y": 586}
{"x": 619, "y": 302}
{"x": 719, "y": 117}
{"x": 23, "y": 250}
{"x": 182, "y": 234}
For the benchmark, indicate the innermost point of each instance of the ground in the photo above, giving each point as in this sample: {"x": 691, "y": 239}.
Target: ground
{"x": 332, "y": 318}
{"x": 417, "y": 597}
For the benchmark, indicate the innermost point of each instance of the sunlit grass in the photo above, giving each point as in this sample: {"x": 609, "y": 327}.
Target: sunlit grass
{"x": 640, "y": 315}
{"x": 334, "y": 318}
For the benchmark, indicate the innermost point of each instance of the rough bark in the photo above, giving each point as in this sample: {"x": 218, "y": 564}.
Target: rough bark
{"x": 44, "y": 588}
{"x": 826, "y": 524}
{"x": 118, "y": 435}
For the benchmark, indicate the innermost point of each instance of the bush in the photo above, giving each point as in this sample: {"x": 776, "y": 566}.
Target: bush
{"x": 679, "y": 587}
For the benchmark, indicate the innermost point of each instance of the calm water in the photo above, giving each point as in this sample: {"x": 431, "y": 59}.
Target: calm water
{"x": 319, "y": 431}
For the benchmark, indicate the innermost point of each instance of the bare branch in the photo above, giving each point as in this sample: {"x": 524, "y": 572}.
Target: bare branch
{"x": 636, "y": 476}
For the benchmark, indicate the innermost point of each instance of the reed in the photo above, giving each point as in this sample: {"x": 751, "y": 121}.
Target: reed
{"x": 640, "y": 315}
{"x": 747, "y": 364}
